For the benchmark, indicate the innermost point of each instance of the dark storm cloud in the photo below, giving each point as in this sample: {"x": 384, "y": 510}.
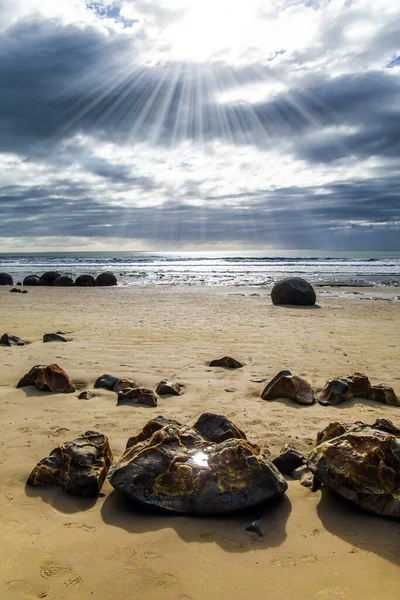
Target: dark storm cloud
{"x": 337, "y": 216}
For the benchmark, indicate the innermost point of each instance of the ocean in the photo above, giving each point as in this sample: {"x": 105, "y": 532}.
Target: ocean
{"x": 261, "y": 268}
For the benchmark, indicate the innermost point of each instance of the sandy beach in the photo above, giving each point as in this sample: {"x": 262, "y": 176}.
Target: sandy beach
{"x": 60, "y": 547}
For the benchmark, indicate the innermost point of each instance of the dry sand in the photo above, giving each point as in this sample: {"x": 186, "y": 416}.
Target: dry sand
{"x": 59, "y": 547}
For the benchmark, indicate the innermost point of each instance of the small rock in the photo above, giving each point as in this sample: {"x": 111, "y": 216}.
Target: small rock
{"x": 227, "y": 361}
{"x": 258, "y": 380}
{"x": 11, "y": 340}
{"x": 218, "y": 428}
{"x": 137, "y": 395}
{"x": 79, "y": 466}
{"x": 301, "y": 473}
{"x": 166, "y": 386}
{"x": 341, "y": 389}
{"x": 286, "y": 385}
{"x": 229, "y": 390}
{"x": 385, "y": 394}
{"x": 255, "y": 527}
{"x": 288, "y": 460}
{"x": 124, "y": 383}
{"x": 86, "y": 395}
{"x": 18, "y": 291}
{"x": 53, "y": 337}
{"x": 49, "y": 379}
{"x": 106, "y": 381}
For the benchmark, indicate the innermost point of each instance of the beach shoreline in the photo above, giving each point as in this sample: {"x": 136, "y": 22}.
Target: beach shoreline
{"x": 315, "y": 545}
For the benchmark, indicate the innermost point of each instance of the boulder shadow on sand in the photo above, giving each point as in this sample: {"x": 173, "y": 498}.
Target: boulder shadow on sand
{"x": 363, "y": 530}
{"x": 60, "y": 501}
{"x": 229, "y": 532}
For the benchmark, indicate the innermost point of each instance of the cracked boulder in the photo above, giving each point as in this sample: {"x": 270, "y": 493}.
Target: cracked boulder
{"x": 286, "y": 385}
{"x": 361, "y": 463}
{"x": 51, "y": 378}
{"x": 79, "y": 466}
{"x": 177, "y": 469}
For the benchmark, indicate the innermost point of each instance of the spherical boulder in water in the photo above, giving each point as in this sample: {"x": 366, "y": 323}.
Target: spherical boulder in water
{"x": 6, "y": 279}
{"x": 63, "y": 281}
{"x": 49, "y": 277}
{"x": 31, "y": 280}
{"x": 106, "y": 278}
{"x": 85, "y": 280}
{"x": 293, "y": 290}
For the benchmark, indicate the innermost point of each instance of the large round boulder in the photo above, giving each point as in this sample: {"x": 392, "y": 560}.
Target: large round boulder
{"x": 85, "y": 280}
{"x": 63, "y": 281}
{"x": 106, "y": 278}
{"x": 293, "y": 290}
{"x": 179, "y": 469}
{"x": 31, "y": 280}
{"x": 49, "y": 277}
{"x": 361, "y": 463}
{"x": 6, "y": 279}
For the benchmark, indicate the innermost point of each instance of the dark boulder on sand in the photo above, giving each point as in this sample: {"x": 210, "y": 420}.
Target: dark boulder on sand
{"x": 286, "y": 385}
{"x": 106, "y": 382}
{"x": 49, "y": 277}
{"x": 53, "y": 337}
{"x": 106, "y": 278}
{"x": 79, "y": 466}
{"x": 166, "y": 386}
{"x": 293, "y": 290}
{"x": 357, "y": 385}
{"x": 63, "y": 281}
{"x": 179, "y": 470}
{"x": 31, "y": 280}
{"x": 85, "y": 281}
{"x": 51, "y": 378}
{"x": 217, "y": 428}
{"x": 137, "y": 395}
{"x": 289, "y": 459}
{"x": 6, "y": 279}
{"x": 11, "y": 340}
{"x": 361, "y": 463}
{"x": 227, "y": 362}
{"x": 124, "y": 383}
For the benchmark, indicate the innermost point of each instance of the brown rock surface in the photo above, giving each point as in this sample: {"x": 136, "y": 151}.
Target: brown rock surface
{"x": 124, "y": 383}
{"x": 362, "y": 464}
{"x": 286, "y": 385}
{"x": 51, "y": 378}
{"x": 166, "y": 386}
{"x": 79, "y": 466}
{"x": 385, "y": 394}
{"x": 139, "y": 395}
{"x": 227, "y": 362}
{"x": 86, "y": 395}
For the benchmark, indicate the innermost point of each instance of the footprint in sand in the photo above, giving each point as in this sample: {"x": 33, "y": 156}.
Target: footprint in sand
{"x": 81, "y": 526}
{"x": 25, "y": 589}
{"x": 289, "y": 561}
{"x": 52, "y": 568}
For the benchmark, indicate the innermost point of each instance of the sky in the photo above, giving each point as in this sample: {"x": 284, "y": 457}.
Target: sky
{"x": 199, "y": 124}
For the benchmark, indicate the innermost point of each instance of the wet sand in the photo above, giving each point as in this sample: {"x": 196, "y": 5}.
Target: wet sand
{"x": 59, "y": 547}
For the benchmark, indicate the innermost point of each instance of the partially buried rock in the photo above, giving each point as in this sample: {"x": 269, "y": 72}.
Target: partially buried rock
{"x": 79, "y": 466}
{"x": 63, "y": 281}
{"x": 286, "y": 385}
{"x": 124, "y": 383}
{"x": 137, "y": 395}
{"x": 85, "y": 281}
{"x": 385, "y": 394}
{"x": 86, "y": 395}
{"x": 105, "y": 279}
{"x": 289, "y": 459}
{"x": 53, "y": 337}
{"x": 48, "y": 277}
{"x": 31, "y": 280}
{"x": 48, "y": 379}
{"x": 11, "y": 340}
{"x": 227, "y": 362}
{"x": 217, "y": 428}
{"x": 106, "y": 382}
{"x": 166, "y": 386}
{"x": 180, "y": 470}
{"x": 293, "y": 290}
{"x": 362, "y": 464}
{"x": 6, "y": 279}
{"x": 341, "y": 389}
{"x": 18, "y": 291}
